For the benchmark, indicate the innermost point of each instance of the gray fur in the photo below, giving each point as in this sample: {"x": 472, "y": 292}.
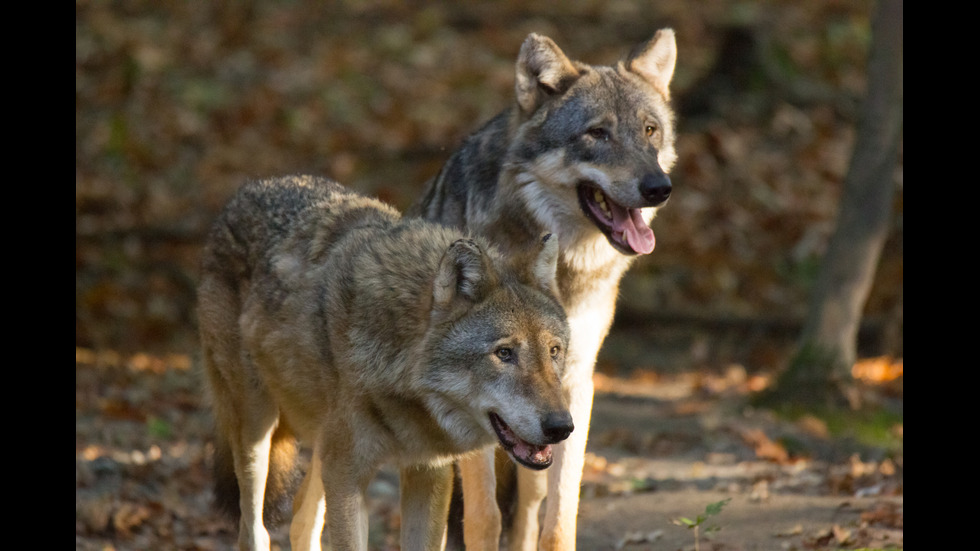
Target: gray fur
{"x": 374, "y": 339}
{"x": 583, "y": 154}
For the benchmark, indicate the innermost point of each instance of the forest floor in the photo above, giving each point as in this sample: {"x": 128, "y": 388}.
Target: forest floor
{"x": 662, "y": 448}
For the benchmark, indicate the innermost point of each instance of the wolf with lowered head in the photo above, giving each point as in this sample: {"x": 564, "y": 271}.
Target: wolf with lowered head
{"x": 326, "y": 316}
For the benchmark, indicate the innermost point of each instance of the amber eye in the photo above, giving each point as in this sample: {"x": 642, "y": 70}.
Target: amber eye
{"x": 651, "y": 130}
{"x": 555, "y": 350}
{"x": 505, "y": 354}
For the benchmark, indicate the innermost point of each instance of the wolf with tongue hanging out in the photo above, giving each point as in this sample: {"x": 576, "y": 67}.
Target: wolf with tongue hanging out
{"x": 626, "y": 228}
{"x": 583, "y": 153}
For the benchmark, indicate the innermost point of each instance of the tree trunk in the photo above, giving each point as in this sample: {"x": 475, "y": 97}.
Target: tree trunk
{"x": 820, "y": 370}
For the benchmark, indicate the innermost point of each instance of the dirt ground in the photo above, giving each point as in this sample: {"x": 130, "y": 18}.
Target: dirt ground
{"x": 781, "y": 522}
{"x": 661, "y": 448}
{"x": 678, "y": 456}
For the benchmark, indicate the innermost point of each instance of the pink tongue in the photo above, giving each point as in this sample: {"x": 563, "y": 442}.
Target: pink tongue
{"x": 638, "y": 234}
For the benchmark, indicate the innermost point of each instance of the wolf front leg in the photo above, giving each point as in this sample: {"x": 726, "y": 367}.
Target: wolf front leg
{"x": 532, "y": 487}
{"x": 565, "y": 475}
{"x": 425, "y": 493}
{"x": 589, "y": 327}
{"x": 564, "y": 487}
{"x": 481, "y": 514}
{"x": 345, "y": 481}
{"x": 560, "y": 483}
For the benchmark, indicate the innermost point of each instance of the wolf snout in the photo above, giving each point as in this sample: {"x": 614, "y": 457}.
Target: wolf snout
{"x": 655, "y": 188}
{"x": 556, "y": 426}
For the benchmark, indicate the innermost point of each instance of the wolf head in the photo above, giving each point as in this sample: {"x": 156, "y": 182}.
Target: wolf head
{"x": 594, "y": 144}
{"x": 497, "y": 347}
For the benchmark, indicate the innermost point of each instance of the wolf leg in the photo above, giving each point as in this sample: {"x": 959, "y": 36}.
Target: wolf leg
{"x": 532, "y": 487}
{"x": 565, "y": 475}
{"x": 245, "y": 414}
{"x": 425, "y": 493}
{"x": 309, "y": 509}
{"x": 481, "y": 515}
{"x": 251, "y": 451}
{"x": 345, "y": 480}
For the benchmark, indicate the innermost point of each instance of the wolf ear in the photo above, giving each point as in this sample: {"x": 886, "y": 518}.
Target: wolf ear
{"x": 464, "y": 272}
{"x": 546, "y": 265}
{"x": 542, "y": 70}
{"x": 654, "y": 60}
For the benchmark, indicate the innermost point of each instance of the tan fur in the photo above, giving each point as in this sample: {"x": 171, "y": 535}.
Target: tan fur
{"x": 583, "y": 150}
{"x": 373, "y": 339}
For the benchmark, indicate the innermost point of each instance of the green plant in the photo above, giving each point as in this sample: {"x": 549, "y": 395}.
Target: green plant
{"x": 711, "y": 510}
{"x": 159, "y": 428}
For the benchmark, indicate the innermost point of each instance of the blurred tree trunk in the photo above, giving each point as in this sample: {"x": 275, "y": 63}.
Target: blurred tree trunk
{"x": 820, "y": 371}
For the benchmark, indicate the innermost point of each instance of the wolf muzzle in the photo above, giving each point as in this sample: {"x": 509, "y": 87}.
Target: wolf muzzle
{"x": 555, "y": 427}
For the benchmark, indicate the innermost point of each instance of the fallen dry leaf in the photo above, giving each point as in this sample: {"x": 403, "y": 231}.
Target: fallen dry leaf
{"x": 881, "y": 369}
{"x": 129, "y": 516}
{"x": 885, "y": 513}
{"x": 639, "y": 537}
{"x": 796, "y": 530}
{"x": 764, "y": 447}
{"x": 841, "y": 535}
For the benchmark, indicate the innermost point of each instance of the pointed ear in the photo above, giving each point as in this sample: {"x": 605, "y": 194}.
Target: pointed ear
{"x": 465, "y": 272}
{"x": 546, "y": 265}
{"x": 654, "y": 60}
{"x": 543, "y": 70}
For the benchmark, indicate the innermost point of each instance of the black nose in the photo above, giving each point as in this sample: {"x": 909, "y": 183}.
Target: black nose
{"x": 557, "y": 426}
{"x": 655, "y": 188}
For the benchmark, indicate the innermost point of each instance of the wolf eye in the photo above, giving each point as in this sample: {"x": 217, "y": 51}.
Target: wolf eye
{"x": 505, "y": 354}
{"x": 555, "y": 350}
{"x": 651, "y": 130}
{"x": 598, "y": 133}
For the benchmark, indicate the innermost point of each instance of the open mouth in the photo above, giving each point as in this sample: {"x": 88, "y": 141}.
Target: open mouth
{"x": 624, "y": 228}
{"x": 530, "y": 455}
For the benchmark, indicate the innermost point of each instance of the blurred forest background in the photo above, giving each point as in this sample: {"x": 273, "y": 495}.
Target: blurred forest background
{"x": 177, "y": 103}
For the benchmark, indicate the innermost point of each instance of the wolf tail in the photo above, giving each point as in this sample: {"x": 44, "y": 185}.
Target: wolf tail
{"x": 280, "y": 484}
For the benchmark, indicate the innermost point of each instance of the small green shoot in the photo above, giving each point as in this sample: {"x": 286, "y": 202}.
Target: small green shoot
{"x": 159, "y": 428}
{"x": 711, "y": 510}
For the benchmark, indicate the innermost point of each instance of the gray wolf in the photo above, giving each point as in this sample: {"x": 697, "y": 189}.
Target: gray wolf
{"x": 583, "y": 153}
{"x": 326, "y": 316}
